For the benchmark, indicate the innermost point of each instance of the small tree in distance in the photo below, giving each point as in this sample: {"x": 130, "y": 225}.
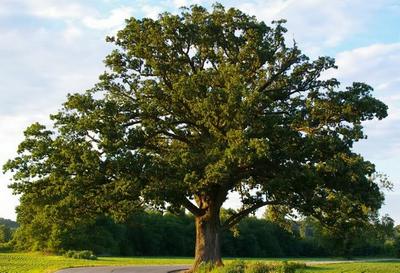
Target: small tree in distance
{"x": 195, "y": 106}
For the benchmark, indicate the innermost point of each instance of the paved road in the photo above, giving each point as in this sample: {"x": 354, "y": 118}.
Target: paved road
{"x": 125, "y": 269}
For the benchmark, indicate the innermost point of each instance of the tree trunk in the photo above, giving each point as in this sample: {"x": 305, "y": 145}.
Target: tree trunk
{"x": 208, "y": 248}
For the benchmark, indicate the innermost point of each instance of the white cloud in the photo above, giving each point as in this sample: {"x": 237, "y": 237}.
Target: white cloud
{"x": 6, "y": 8}
{"x": 180, "y": 3}
{"x": 185, "y": 3}
{"x": 151, "y": 11}
{"x": 315, "y": 24}
{"x": 116, "y": 19}
{"x": 392, "y": 206}
{"x": 39, "y": 68}
{"x": 59, "y": 9}
{"x": 377, "y": 64}
{"x": 266, "y": 10}
{"x": 72, "y": 33}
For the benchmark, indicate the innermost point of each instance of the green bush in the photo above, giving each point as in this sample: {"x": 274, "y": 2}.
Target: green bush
{"x": 233, "y": 267}
{"x": 83, "y": 254}
{"x": 284, "y": 267}
{"x": 258, "y": 267}
{"x": 206, "y": 268}
{"x": 6, "y": 247}
{"x": 396, "y": 247}
{"x": 289, "y": 267}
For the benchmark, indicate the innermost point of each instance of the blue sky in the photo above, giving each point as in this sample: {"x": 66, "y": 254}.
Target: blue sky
{"x": 49, "y": 48}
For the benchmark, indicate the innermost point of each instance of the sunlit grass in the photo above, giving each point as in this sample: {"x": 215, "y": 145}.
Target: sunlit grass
{"x": 39, "y": 263}
{"x": 362, "y": 267}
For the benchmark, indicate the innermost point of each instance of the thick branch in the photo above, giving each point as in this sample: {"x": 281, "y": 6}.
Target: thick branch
{"x": 175, "y": 136}
{"x": 189, "y": 60}
{"x": 92, "y": 138}
{"x": 131, "y": 123}
{"x": 234, "y": 219}
{"x": 284, "y": 67}
{"x": 117, "y": 91}
{"x": 192, "y": 207}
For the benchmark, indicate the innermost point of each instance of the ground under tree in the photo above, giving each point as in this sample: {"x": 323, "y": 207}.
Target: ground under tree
{"x": 195, "y": 106}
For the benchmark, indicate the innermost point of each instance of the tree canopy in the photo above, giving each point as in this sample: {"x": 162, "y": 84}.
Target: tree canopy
{"x": 197, "y": 105}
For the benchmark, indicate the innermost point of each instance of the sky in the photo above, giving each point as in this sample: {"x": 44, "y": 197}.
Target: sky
{"x": 49, "y": 48}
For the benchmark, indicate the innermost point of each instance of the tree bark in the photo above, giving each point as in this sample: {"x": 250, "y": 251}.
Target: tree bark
{"x": 208, "y": 248}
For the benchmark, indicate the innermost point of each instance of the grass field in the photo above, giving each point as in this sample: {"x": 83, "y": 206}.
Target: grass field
{"x": 38, "y": 263}
{"x": 365, "y": 267}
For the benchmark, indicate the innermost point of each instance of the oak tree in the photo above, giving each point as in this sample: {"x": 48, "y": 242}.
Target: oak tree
{"x": 193, "y": 107}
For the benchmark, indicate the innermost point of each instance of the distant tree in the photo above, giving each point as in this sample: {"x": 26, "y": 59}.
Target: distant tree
{"x": 8, "y": 223}
{"x": 192, "y": 107}
{"x": 386, "y": 228}
{"x": 281, "y": 215}
{"x": 38, "y": 230}
{"x": 5, "y": 234}
{"x": 397, "y": 241}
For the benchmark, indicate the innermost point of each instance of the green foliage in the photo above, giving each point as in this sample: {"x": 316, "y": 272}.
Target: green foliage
{"x": 396, "y": 244}
{"x": 290, "y": 267}
{"x": 5, "y": 234}
{"x": 240, "y": 266}
{"x": 145, "y": 234}
{"x": 81, "y": 254}
{"x": 8, "y": 223}
{"x": 6, "y": 247}
{"x": 263, "y": 267}
{"x": 233, "y": 267}
{"x": 258, "y": 267}
{"x": 374, "y": 238}
{"x": 259, "y": 238}
{"x": 7, "y": 230}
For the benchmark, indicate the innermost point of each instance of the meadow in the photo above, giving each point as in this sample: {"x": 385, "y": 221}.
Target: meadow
{"x": 39, "y": 263}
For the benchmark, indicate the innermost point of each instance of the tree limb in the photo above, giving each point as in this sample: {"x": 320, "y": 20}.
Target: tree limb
{"x": 192, "y": 207}
{"x": 284, "y": 67}
{"x": 234, "y": 219}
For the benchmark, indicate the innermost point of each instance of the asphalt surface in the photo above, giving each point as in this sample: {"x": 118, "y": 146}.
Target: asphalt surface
{"x": 125, "y": 269}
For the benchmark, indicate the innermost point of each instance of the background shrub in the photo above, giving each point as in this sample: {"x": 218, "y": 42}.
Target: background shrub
{"x": 259, "y": 268}
{"x": 82, "y": 254}
{"x": 239, "y": 266}
{"x": 234, "y": 267}
{"x": 283, "y": 267}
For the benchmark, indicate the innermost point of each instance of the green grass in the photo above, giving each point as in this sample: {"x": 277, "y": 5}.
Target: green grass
{"x": 364, "y": 267}
{"x": 39, "y": 263}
